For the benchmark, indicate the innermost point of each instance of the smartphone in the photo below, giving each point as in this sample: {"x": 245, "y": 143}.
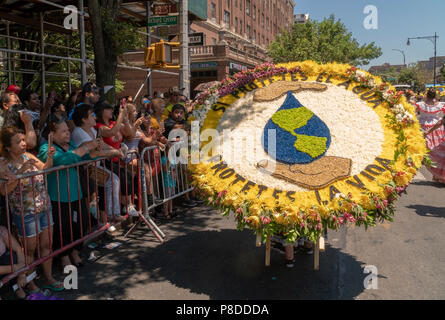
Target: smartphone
{"x": 50, "y": 141}
{"x": 123, "y": 102}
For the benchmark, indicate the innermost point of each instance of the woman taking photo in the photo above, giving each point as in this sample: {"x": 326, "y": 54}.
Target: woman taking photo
{"x": 70, "y": 218}
{"x": 113, "y": 132}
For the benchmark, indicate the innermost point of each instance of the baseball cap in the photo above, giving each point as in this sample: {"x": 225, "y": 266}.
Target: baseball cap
{"x": 89, "y": 87}
{"x": 13, "y": 88}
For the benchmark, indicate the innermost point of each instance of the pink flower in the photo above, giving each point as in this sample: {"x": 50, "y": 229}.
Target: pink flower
{"x": 319, "y": 226}
{"x": 265, "y": 220}
{"x": 378, "y": 206}
{"x": 385, "y": 203}
{"x": 341, "y": 220}
{"x": 239, "y": 211}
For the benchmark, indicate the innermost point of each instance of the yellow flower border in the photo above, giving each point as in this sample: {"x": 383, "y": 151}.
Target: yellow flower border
{"x": 311, "y": 211}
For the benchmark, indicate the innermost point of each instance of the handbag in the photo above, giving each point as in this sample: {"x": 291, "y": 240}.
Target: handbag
{"x": 99, "y": 175}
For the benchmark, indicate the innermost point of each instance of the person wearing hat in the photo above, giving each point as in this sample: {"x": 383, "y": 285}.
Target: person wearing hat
{"x": 90, "y": 95}
{"x": 13, "y": 88}
{"x": 173, "y": 96}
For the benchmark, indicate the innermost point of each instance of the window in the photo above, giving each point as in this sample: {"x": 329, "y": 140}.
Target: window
{"x": 248, "y": 7}
{"x": 213, "y": 41}
{"x": 227, "y": 18}
{"x": 262, "y": 20}
{"x": 254, "y": 35}
{"x": 262, "y": 40}
{"x": 213, "y": 10}
{"x": 267, "y": 23}
{"x": 248, "y": 31}
{"x": 240, "y": 26}
{"x": 236, "y": 3}
{"x": 254, "y": 11}
{"x": 236, "y": 25}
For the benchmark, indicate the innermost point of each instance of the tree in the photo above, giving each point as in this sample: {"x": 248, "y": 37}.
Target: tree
{"x": 323, "y": 42}
{"x": 413, "y": 75}
{"x": 110, "y": 38}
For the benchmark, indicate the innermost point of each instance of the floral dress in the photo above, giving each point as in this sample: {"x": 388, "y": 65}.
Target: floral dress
{"x": 30, "y": 195}
{"x": 429, "y": 115}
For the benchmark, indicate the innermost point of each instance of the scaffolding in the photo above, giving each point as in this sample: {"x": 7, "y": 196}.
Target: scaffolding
{"x": 84, "y": 67}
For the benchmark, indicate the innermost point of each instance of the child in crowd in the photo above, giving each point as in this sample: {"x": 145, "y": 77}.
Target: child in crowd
{"x": 18, "y": 259}
{"x": 28, "y": 200}
{"x": 169, "y": 181}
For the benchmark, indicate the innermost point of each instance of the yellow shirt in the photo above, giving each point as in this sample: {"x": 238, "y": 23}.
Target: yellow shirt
{"x": 168, "y": 109}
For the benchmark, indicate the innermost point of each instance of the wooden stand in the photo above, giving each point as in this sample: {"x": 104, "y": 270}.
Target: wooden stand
{"x": 317, "y": 255}
{"x": 319, "y": 246}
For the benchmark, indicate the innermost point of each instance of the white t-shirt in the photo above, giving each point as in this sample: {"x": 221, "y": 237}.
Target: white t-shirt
{"x": 80, "y": 136}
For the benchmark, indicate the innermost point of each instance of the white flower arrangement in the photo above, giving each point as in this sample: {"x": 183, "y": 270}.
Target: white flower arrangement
{"x": 402, "y": 115}
{"x": 201, "y": 113}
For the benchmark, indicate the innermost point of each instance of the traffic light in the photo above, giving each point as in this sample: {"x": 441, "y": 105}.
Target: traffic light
{"x": 159, "y": 55}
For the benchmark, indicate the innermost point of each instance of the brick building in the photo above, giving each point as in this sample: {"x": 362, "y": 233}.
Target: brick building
{"x": 236, "y": 35}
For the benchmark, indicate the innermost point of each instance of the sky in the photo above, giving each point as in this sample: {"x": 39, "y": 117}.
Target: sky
{"x": 398, "y": 20}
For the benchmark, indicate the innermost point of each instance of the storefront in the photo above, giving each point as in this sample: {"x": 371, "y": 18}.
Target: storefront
{"x": 202, "y": 72}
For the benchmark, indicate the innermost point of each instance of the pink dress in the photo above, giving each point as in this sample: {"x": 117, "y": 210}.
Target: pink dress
{"x": 429, "y": 115}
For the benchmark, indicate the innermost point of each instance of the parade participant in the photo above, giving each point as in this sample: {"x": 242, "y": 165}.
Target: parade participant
{"x": 429, "y": 113}
{"x": 438, "y": 153}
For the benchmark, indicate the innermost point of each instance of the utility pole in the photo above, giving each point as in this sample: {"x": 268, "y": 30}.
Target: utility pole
{"x": 184, "y": 71}
{"x": 433, "y": 39}
{"x": 148, "y": 45}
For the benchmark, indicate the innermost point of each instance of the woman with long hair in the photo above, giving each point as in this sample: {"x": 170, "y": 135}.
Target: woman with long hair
{"x": 28, "y": 200}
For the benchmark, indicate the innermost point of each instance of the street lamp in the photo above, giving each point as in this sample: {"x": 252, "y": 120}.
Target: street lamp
{"x": 403, "y": 55}
{"x": 433, "y": 39}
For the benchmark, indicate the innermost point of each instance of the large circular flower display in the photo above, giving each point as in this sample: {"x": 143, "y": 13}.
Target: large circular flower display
{"x": 304, "y": 147}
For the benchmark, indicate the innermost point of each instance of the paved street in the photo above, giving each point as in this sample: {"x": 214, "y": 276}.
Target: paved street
{"x": 205, "y": 257}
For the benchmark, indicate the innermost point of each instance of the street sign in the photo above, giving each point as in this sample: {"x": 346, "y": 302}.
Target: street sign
{"x": 162, "y": 21}
{"x": 196, "y": 39}
{"x": 163, "y": 9}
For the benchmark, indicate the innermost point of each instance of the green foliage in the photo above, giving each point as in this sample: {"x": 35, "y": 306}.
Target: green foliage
{"x": 124, "y": 35}
{"x": 323, "y": 42}
{"x": 412, "y": 74}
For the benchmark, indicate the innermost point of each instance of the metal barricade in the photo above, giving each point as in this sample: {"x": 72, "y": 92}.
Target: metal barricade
{"x": 152, "y": 161}
{"x": 61, "y": 211}
{"x": 173, "y": 185}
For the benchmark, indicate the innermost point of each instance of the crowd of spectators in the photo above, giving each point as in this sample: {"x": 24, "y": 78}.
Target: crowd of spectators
{"x": 48, "y": 211}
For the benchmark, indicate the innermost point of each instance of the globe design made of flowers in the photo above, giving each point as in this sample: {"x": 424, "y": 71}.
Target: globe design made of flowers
{"x": 345, "y": 147}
